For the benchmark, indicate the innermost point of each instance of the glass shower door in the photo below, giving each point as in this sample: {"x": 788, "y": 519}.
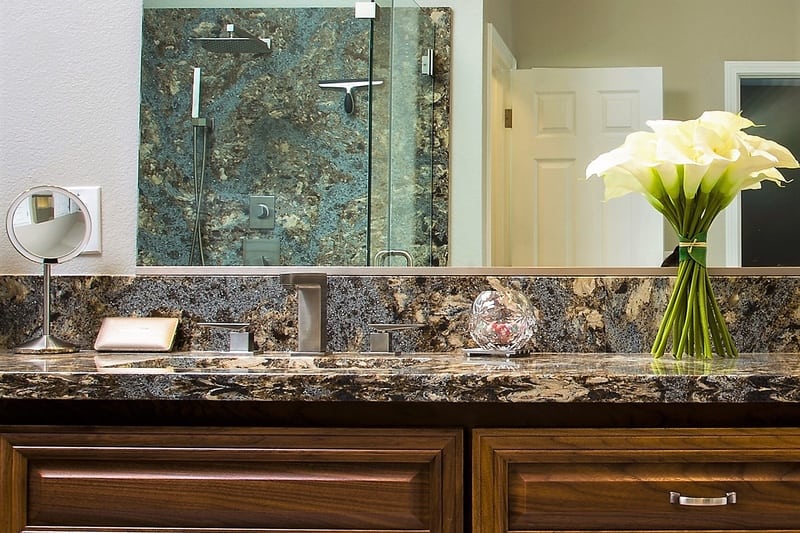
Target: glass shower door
{"x": 402, "y": 137}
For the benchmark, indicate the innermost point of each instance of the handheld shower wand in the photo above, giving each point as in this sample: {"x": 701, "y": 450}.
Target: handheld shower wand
{"x": 197, "y": 120}
{"x": 196, "y": 94}
{"x": 200, "y": 126}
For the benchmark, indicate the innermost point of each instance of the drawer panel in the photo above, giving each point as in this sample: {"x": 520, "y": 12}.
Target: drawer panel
{"x": 229, "y": 494}
{"x": 215, "y": 479}
{"x": 637, "y": 496}
{"x": 568, "y": 480}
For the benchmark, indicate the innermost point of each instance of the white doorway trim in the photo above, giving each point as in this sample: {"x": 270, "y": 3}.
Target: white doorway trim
{"x": 735, "y": 71}
{"x": 495, "y": 187}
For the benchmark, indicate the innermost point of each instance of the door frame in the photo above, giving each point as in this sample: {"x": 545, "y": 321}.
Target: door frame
{"x": 498, "y": 57}
{"x": 735, "y": 71}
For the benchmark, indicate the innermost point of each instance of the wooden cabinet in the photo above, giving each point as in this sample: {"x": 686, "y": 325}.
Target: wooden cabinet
{"x": 636, "y": 480}
{"x": 182, "y": 479}
{"x": 226, "y": 479}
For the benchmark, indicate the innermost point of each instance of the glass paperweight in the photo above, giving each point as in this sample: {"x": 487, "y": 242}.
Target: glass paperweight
{"x": 501, "y": 321}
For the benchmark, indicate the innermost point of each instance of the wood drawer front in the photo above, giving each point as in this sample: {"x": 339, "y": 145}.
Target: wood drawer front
{"x": 622, "y": 479}
{"x": 372, "y": 480}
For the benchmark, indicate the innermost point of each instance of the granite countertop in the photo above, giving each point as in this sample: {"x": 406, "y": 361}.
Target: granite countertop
{"x": 420, "y": 377}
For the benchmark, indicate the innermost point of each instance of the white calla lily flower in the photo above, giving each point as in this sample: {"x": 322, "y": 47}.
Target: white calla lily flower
{"x": 690, "y": 171}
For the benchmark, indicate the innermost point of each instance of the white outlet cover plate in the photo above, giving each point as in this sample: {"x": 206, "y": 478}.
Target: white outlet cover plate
{"x": 91, "y": 197}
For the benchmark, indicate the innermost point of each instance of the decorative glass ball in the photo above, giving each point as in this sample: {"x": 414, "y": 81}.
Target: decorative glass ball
{"x": 501, "y": 320}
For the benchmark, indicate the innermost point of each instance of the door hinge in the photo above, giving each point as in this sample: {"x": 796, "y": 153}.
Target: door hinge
{"x": 509, "y": 118}
{"x": 427, "y": 62}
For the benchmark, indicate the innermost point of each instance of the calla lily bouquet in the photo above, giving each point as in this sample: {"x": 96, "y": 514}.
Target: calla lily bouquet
{"x": 690, "y": 171}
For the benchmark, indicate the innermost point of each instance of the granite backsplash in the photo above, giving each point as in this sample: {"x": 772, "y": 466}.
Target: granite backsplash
{"x": 575, "y": 313}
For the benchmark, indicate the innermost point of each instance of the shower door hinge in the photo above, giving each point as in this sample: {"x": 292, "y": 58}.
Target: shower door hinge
{"x": 508, "y": 118}
{"x": 427, "y": 62}
{"x": 366, "y": 10}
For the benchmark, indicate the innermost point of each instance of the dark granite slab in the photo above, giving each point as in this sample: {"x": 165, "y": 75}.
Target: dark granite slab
{"x": 575, "y": 314}
{"x": 422, "y": 377}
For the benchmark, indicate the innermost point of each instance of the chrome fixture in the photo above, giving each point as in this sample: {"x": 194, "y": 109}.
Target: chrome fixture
{"x": 380, "y": 340}
{"x": 262, "y": 212}
{"x": 48, "y": 225}
{"x": 312, "y": 310}
{"x": 200, "y": 128}
{"x": 196, "y": 93}
{"x": 240, "y": 340}
{"x": 197, "y": 120}
{"x": 262, "y": 251}
{"x": 348, "y": 86}
{"x": 384, "y": 255}
{"x": 427, "y": 63}
{"x": 238, "y": 41}
{"x": 676, "y": 498}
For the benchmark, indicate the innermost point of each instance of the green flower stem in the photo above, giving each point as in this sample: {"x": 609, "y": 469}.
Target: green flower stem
{"x": 671, "y": 314}
{"x": 693, "y": 318}
{"x": 704, "y": 324}
{"x": 688, "y": 211}
{"x": 686, "y": 340}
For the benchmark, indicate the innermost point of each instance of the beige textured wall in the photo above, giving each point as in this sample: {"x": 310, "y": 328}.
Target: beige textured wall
{"x": 500, "y": 13}
{"x": 690, "y": 39}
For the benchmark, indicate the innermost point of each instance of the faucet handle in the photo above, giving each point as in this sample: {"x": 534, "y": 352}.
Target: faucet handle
{"x": 380, "y": 340}
{"x": 240, "y": 340}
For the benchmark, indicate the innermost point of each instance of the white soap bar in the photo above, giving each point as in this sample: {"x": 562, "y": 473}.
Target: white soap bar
{"x": 136, "y": 334}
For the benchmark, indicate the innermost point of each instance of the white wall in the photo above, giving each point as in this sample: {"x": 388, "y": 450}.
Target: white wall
{"x": 500, "y": 13}
{"x": 611, "y": 33}
{"x": 69, "y": 105}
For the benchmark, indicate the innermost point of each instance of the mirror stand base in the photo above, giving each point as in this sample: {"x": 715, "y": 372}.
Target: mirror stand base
{"x": 46, "y": 344}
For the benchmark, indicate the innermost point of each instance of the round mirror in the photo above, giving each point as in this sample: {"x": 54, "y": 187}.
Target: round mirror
{"x": 48, "y": 225}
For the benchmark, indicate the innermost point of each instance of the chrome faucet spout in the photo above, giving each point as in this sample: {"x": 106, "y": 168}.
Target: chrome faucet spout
{"x": 312, "y": 309}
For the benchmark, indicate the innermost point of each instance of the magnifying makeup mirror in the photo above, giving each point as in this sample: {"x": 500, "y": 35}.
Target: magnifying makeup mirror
{"x": 48, "y": 225}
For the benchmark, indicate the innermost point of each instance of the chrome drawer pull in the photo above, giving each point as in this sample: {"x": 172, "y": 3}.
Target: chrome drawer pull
{"x": 676, "y": 498}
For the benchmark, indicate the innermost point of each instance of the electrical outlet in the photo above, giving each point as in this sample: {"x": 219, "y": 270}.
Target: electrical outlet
{"x": 91, "y": 197}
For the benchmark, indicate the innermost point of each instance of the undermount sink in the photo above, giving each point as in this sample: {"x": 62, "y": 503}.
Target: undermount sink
{"x": 228, "y": 362}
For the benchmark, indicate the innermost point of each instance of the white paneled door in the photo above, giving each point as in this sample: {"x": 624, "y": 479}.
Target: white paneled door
{"x": 564, "y": 118}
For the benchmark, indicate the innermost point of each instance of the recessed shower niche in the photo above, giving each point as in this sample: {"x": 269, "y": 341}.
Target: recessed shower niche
{"x": 239, "y": 102}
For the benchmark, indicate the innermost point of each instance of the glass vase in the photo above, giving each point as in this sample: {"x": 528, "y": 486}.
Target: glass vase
{"x": 501, "y": 321}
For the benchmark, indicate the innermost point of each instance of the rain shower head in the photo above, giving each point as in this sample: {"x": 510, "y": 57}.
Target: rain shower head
{"x": 238, "y": 41}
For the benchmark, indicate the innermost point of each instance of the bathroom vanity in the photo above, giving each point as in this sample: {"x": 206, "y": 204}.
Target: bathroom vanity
{"x": 425, "y": 442}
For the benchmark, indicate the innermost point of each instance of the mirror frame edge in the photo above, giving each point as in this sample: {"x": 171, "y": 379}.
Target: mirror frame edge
{"x": 371, "y": 271}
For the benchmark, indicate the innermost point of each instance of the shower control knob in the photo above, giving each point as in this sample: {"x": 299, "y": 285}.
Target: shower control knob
{"x": 262, "y": 211}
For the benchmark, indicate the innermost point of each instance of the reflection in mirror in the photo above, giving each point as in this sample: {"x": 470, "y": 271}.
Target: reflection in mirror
{"x": 769, "y": 218}
{"x": 292, "y": 136}
{"x": 48, "y": 225}
{"x": 620, "y": 34}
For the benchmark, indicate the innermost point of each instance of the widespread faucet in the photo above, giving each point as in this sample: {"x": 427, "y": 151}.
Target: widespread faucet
{"x": 312, "y": 310}
{"x": 239, "y": 339}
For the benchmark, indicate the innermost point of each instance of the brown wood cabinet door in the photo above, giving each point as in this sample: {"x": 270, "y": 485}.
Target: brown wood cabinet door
{"x": 636, "y": 480}
{"x": 220, "y": 479}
